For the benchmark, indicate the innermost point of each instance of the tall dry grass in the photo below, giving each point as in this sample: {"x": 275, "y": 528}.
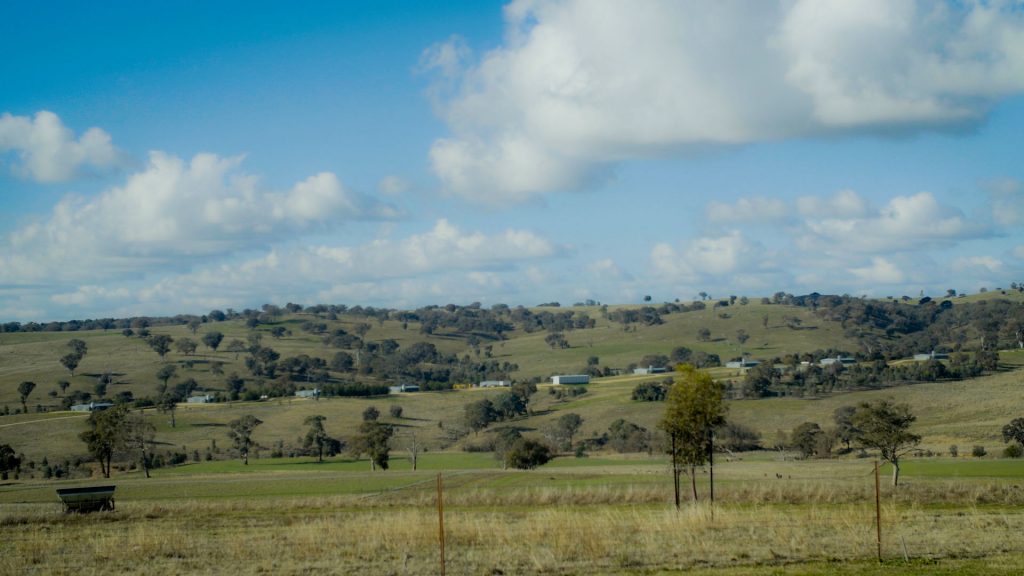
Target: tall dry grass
{"x": 526, "y": 532}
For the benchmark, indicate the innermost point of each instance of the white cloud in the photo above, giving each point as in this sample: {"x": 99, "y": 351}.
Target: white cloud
{"x": 710, "y": 257}
{"x": 581, "y": 84}
{"x": 169, "y": 214}
{"x": 48, "y": 150}
{"x": 977, "y": 264}
{"x": 442, "y": 263}
{"x": 842, "y": 204}
{"x": 905, "y": 223}
{"x": 749, "y": 211}
{"x": 605, "y": 268}
{"x": 393, "y": 185}
{"x": 881, "y": 271}
{"x": 1007, "y": 199}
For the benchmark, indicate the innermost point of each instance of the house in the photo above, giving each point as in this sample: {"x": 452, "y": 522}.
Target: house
{"x": 314, "y": 393}
{"x": 837, "y": 360}
{"x": 743, "y": 363}
{"x": 495, "y": 384}
{"x": 404, "y": 388}
{"x": 933, "y": 355}
{"x": 91, "y": 407}
{"x": 650, "y": 370}
{"x": 571, "y": 379}
{"x": 204, "y": 399}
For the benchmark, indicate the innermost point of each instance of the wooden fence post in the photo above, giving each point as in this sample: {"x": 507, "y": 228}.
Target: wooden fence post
{"x": 440, "y": 519}
{"x": 878, "y": 514}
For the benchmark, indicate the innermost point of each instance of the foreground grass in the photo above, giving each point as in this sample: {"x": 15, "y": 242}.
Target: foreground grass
{"x": 594, "y": 516}
{"x": 344, "y": 535}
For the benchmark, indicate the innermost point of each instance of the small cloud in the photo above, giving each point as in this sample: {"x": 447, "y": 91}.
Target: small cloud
{"x": 749, "y": 211}
{"x": 881, "y": 271}
{"x": 977, "y": 265}
{"x": 1007, "y": 199}
{"x": 48, "y": 150}
{"x": 393, "y": 185}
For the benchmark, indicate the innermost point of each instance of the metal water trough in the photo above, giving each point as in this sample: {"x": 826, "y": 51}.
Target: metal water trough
{"x": 90, "y": 499}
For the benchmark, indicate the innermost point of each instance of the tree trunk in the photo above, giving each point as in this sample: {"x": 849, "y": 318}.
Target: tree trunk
{"x": 693, "y": 482}
{"x": 373, "y": 465}
{"x": 895, "y": 472}
{"x": 711, "y": 467}
{"x": 245, "y": 457}
{"x": 172, "y": 419}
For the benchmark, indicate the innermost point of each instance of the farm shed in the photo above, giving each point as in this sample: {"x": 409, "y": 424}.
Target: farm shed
{"x": 91, "y": 407}
{"x": 570, "y": 379}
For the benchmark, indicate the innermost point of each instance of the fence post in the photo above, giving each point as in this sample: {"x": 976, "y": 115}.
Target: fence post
{"x": 440, "y": 519}
{"x": 878, "y": 514}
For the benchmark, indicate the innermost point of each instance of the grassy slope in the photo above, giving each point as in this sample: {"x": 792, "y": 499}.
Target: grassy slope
{"x": 964, "y": 413}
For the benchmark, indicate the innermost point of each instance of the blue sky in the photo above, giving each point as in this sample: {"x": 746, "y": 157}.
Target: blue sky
{"x": 178, "y": 157}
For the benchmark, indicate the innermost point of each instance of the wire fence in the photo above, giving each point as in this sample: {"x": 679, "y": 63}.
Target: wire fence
{"x": 470, "y": 534}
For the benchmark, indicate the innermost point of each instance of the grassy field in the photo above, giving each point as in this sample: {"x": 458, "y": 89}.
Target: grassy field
{"x": 966, "y": 414}
{"x": 595, "y": 516}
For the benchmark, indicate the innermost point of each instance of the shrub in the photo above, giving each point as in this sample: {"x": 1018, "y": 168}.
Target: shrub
{"x": 978, "y": 451}
{"x": 954, "y": 451}
{"x": 1013, "y": 451}
{"x": 528, "y": 454}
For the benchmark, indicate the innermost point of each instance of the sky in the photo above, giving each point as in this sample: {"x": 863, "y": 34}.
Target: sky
{"x": 166, "y": 158}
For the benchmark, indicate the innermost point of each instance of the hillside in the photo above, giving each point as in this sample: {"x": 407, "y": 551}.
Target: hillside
{"x": 775, "y": 330}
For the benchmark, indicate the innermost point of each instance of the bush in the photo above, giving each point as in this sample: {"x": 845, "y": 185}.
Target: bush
{"x": 978, "y": 451}
{"x": 650, "y": 392}
{"x": 396, "y": 411}
{"x": 528, "y": 454}
{"x": 1013, "y": 451}
{"x": 954, "y": 451}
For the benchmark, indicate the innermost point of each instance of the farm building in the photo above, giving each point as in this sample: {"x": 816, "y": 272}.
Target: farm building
{"x": 314, "y": 393}
{"x": 743, "y": 364}
{"x": 837, "y": 360}
{"x": 571, "y": 379}
{"x": 495, "y": 384}
{"x": 404, "y": 388}
{"x": 933, "y": 355}
{"x": 650, "y": 370}
{"x": 204, "y": 399}
{"x": 91, "y": 407}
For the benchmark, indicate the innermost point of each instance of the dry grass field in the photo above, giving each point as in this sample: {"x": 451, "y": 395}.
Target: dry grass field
{"x": 596, "y": 518}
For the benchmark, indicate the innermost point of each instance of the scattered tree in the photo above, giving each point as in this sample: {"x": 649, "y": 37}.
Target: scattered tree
{"x": 316, "y": 435}
{"x": 8, "y": 461}
{"x": 160, "y": 343}
{"x": 139, "y": 434}
{"x": 373, "y": 440}
{"x": 78, "y": 347}
{"x": 186, "y": 346}
{"x": 1014, "y": 431}
{"x": 805, "y": 437}
{"x": 395, "y": 410}
{"x": 567, "y": 425}
{"x": 371, "y": 414}
{"x": 24, "y": 389}
{"x": 694, "y": 407}
{"x": 885, "y": 426}
{"x": 213, "y": 339}
{"x": 168, "y": 404}
{"x": 240, "y": 432}
{"x": 70, "y": 361}
{"x": 166, "y": 372}
{"x": 105, "y": 435}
